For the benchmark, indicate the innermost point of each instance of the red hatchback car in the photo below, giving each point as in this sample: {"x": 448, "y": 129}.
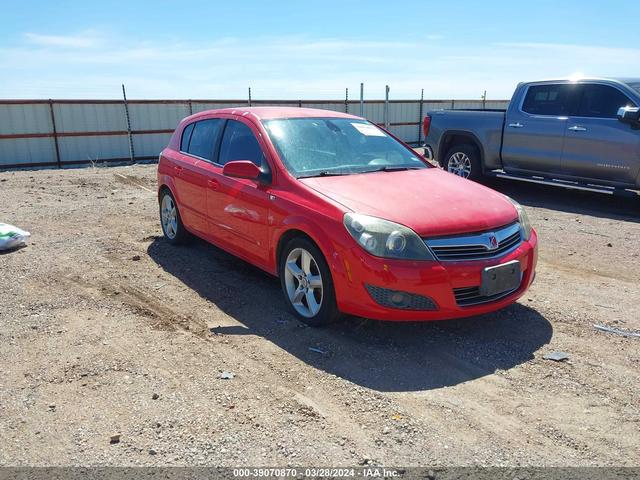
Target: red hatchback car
{"x": 351, "y": 219}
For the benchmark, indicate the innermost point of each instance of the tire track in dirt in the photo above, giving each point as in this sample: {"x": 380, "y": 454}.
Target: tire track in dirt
{"x": 138, "y": 301}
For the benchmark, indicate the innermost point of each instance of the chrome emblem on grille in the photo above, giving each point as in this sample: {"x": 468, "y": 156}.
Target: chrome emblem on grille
{"x": 493, "y": 242}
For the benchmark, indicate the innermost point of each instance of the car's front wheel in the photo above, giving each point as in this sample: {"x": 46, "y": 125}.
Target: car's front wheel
{"x": 307, "y": 283}
{"x": 170, "y": 220}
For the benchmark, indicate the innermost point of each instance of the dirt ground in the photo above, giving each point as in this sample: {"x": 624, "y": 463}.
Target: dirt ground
{"x": 107, "y": 330}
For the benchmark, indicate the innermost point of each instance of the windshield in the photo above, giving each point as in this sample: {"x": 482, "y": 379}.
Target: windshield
{"x": 312, "y": 147}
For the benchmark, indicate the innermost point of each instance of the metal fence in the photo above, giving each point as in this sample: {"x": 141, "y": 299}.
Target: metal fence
{"x": 58, "y": 133}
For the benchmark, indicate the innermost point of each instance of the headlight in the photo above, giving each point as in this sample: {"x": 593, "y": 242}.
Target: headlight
{"x": 383, "y": 238}
{"x": 523, "y": 218}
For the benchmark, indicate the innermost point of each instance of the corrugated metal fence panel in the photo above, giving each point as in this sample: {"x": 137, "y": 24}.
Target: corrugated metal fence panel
{"x": 459, "y": 104}
{"x": 201, "y": 106}
{"x": 93, "y": 148}
{"x": 401, "y": 112}
{"x": 25, "y": 118}
{"x": 436, "y": 105}
{"x": 27, "y": 151}
{"x": 156, "y": 116}
{"x": 407, "y": 133}
{"x": 77, "y": 123}
{"x": 333, "y": 106}
{"x": 504, "y": 104}
{"x": 374, "y": 111}
{"x": 150, "y": 144}
{"x": 90, "y": 117}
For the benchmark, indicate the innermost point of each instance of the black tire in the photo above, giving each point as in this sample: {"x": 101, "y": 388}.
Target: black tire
{"x": 181, "y": 235}
{"x": 328, "y": 312}
{"x": 469, "y": 151}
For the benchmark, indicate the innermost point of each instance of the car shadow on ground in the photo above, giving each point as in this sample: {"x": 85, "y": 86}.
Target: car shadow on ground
{"x": 383, "y": 356}
{"x": 571, "y": 201}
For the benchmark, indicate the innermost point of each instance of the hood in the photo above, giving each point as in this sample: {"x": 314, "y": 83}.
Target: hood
{"x": 430, "y": 201}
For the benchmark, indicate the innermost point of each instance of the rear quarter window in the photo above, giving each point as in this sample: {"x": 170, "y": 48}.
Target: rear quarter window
{"x": 186, "y": 136}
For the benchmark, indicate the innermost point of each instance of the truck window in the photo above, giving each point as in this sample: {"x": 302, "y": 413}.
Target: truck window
{"x": 552, "y": 99}
{"x": 634, "y": 85}
{"x": 601, "y": 101}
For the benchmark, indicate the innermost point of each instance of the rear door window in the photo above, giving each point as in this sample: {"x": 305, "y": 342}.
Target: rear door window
{"x": 204, "y": 138}
{"x": 601, "y": 101}
{"x": 239, "y": 143}
{"x": 551, "y": 99}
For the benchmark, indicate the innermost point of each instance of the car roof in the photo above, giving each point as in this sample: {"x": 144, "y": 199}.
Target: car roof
{"x": 272, "y": 112}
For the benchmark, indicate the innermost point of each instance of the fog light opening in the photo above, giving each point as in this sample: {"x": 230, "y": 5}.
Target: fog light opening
{"x": 400, "y": 299}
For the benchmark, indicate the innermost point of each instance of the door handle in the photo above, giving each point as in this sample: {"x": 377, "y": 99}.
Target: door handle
{"x": 516, "y": 125}
{"x": 178, "y": 170}
{"x": 577, "y": 128}
{"x": 213, "y": 184}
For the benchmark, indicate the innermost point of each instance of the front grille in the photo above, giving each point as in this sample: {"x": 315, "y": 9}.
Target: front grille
{"x": 400, "y": 300}
{"x": 477, "y": 246}
{"x": 468, "y": 296}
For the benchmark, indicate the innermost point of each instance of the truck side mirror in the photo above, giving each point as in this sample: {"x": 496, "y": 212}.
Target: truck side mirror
{"x": 630, "y": 115}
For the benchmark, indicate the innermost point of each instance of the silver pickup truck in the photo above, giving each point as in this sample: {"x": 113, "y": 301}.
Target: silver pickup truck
{"x": 582, "y": 134}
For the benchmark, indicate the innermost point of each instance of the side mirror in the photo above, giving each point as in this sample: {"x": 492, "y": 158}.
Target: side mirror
{"x": 630, "y": 115}
{"x": 241, "y": 169}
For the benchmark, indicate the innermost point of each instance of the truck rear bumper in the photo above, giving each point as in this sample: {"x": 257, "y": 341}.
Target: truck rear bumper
{"x": 428, "y": 152}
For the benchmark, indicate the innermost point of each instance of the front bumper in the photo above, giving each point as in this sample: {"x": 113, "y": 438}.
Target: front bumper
{"x": 353, "y": 269}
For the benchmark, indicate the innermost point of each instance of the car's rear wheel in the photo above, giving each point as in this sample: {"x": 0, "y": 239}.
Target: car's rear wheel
{"x": 170, "y": 220}
{"x": 463, "y": 160}
{"x": 307, "y": 283}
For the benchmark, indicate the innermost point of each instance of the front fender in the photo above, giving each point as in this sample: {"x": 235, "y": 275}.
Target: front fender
{"x": 329, "y": 236}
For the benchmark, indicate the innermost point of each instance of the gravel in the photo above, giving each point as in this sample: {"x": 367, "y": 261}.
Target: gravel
{"x": 109, "y": 332}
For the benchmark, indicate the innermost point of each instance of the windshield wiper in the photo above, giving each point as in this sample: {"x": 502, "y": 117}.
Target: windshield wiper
{"x": 391, "y": 168}
{"x": 325, "y": 173}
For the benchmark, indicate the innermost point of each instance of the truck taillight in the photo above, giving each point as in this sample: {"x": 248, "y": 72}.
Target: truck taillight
{"x": 426, "y": 125}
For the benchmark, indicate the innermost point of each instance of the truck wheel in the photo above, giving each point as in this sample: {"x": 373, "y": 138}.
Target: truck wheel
{"x": 463, "y": 160}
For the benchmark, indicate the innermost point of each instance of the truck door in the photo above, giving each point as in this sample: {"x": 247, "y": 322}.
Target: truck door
{"x": 597, "y": 145}
{"x": 534, "y": 129}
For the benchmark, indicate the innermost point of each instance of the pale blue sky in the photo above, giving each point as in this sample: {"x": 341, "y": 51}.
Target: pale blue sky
{"x": 303, "y": 49}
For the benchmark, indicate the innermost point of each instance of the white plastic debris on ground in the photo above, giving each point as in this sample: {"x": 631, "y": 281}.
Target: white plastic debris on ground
{"x": 12, "y": 237}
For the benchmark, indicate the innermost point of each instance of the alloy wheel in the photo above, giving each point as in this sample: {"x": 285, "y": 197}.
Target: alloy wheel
{"x": 303, "y": 282}
{"x": 169, "y": 215}
{"x": 459, "y": 164}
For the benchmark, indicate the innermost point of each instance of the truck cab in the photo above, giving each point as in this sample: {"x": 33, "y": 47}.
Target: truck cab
{"x": 583, "y": 133}
{"x": 571, "y": 129}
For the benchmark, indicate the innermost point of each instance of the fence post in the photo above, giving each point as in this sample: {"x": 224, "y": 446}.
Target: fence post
{"x": 453, "y": 104}
{"x": 420, "y": 115}
{"x": 249, "y": 96}
{"x": 484, "y": 100}
{"x": 190, "y": 108}
{"x": 346, "y": 100}
{"x": 362, "y": 100}
{"x": 386, "y": 107}
{"x": 55, "y": 133}
{"x": 126, "y": 114}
